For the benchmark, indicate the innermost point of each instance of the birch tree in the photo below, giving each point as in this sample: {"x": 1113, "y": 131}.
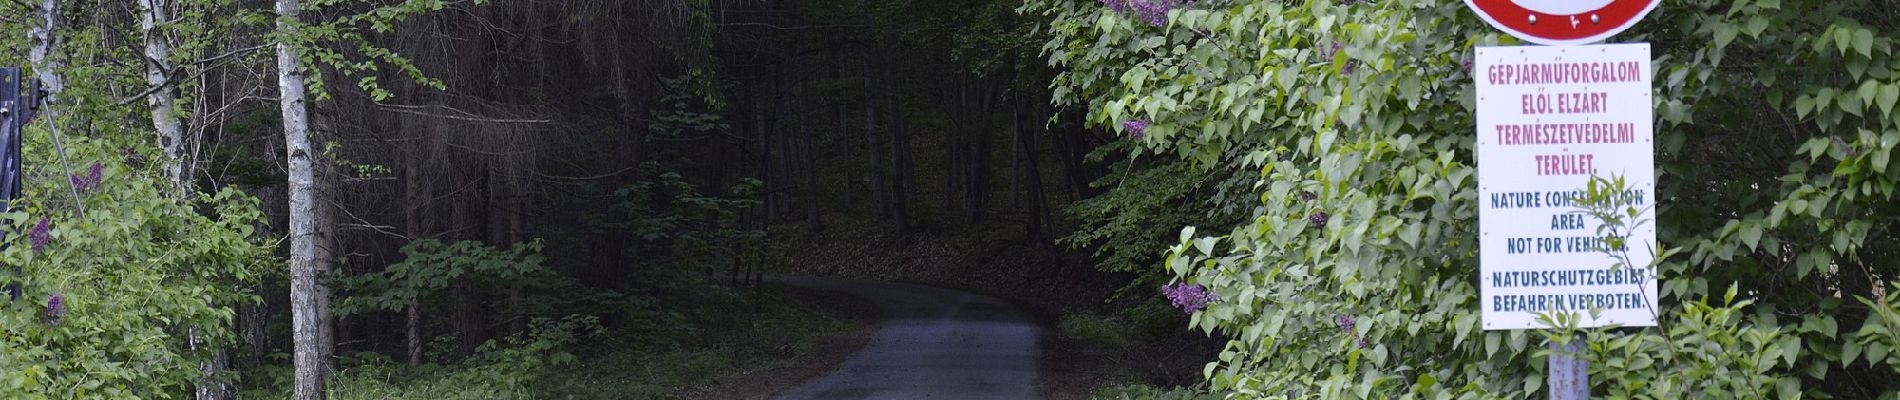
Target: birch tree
{"x": 164, "y": 95}
{"x": 305, "y": 306}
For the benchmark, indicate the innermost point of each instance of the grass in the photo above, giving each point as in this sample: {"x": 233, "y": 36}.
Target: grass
{"x": 760, "y": 338}
{"x": 1142, "y": 351}
{"x": 724, "y": 339}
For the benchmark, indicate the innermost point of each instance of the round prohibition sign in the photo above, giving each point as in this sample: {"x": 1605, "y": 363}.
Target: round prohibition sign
{"x": 1562, "y": 22}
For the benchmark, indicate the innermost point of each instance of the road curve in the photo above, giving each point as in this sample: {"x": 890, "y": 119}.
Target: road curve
{"x": 934, "y": 343}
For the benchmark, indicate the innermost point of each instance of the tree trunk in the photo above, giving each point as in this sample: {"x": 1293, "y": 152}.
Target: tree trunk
{"x": 1016, "y": 161}
{"x": 623, "y": 80}
{"x": 208, "y": 386}
{"x": 465, "y": 313}
{"x": 412, "y": 332}
{"x": 764, "y": 135}
{"x": 45, "y": 39}
{"x": 308, "y": 379}
{"x": 164, "y": 95}
{"x": 978, "y": 189}
{"x": 900, "y": 193}
{"x": 1032, "y": 179}
{"x": 1071, "y": 152}
{"x": 415, "y": 193}
{"x": 322, "y": 169}
{"x": 844, "y": 130}
{"x": 515, "y": 209}
{"x": 163, "y": 99}
{"x": 878, "y": 190}
{"x": 806, "y": 137}
{"x": 956, "y": 150}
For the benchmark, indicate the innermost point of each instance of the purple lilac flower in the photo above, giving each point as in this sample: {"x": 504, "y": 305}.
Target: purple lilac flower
{"x": 1308, "y": 196}
{"x": 90, "y": 181}
{"x": 1137, "y": 128}
{"x": 41, "y": 234}
{"x": 1189, "y": 297}
{"x": 1154, "y": 12}
{"x": 1318, "y": 219}
{"x": 1364, "y": 344}
{"x": 1350, "y": 64}
{"x": 1346, "y": 324}
{"x": 55, "y": 308}
{"x": 1467, "y": 66}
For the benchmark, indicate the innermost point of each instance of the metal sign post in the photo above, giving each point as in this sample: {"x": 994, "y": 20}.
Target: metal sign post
{"x": 17, "y": 107}
{"x": 1569, "y": 373}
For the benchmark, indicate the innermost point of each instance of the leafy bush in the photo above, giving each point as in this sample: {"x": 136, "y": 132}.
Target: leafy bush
{"x": 1130, "y": 224}
{"x": 1097, "y": 331}
{"x": 1353, "y": 276}
{"x": 501, "y": 370}
{"x": 673, "y": 242}
{"x": 431, "y": 266}
{"x": 127, "y": 298}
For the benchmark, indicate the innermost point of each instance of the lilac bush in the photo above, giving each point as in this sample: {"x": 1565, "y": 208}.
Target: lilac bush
{"x": 1189, "y": 297}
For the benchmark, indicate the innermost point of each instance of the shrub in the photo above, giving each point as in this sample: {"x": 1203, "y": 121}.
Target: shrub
{"x": 125, "y": 299}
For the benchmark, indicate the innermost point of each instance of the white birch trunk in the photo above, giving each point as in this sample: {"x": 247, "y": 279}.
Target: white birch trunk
{"x": 306, "y": 316}
{"x": 164, "y": 98}
{"x": 44, "y": 41}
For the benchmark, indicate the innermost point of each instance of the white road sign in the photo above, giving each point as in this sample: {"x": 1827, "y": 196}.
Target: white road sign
{"x": 1550, "y": 118}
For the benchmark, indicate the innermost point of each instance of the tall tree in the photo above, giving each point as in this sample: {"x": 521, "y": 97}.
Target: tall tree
{"x": 305, "y": 306}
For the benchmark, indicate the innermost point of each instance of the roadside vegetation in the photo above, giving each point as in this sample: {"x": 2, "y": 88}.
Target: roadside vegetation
{"x": 1349, "y": 126}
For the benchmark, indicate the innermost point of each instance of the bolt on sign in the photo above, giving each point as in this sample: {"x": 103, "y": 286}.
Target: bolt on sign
{"x": 1549, "y": 119}
{"x": 1562, "y": 22}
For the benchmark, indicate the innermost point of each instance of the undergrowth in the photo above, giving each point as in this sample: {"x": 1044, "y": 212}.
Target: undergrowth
{"x": 575, "y": 358}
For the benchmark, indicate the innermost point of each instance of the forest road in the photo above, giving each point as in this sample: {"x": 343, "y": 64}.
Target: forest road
{"x": 934, "y": 343}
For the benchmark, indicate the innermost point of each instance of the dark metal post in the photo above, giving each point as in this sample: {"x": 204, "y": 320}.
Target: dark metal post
{"x": 16, "y": 109}
{"x": 1569, "y": 371}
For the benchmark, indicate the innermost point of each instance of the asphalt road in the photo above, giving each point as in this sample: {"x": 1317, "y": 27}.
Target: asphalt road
{"x": 935, "y": 343}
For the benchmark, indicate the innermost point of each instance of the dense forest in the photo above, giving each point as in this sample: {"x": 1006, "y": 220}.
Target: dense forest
{"x": 343, "y": 199}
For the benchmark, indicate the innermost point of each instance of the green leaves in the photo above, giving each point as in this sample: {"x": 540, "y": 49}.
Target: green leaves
{"x": 431, "y": 266}
{"x": 137, "y": 273}
{"x": 1886, "y": 97}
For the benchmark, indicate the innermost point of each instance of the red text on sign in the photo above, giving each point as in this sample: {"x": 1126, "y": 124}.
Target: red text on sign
{"x": 1566, "y": 164}
{"x": 1566, "y": 103}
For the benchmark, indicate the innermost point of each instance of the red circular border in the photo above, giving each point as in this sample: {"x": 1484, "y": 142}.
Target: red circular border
{"x": 1557, "y": 29}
